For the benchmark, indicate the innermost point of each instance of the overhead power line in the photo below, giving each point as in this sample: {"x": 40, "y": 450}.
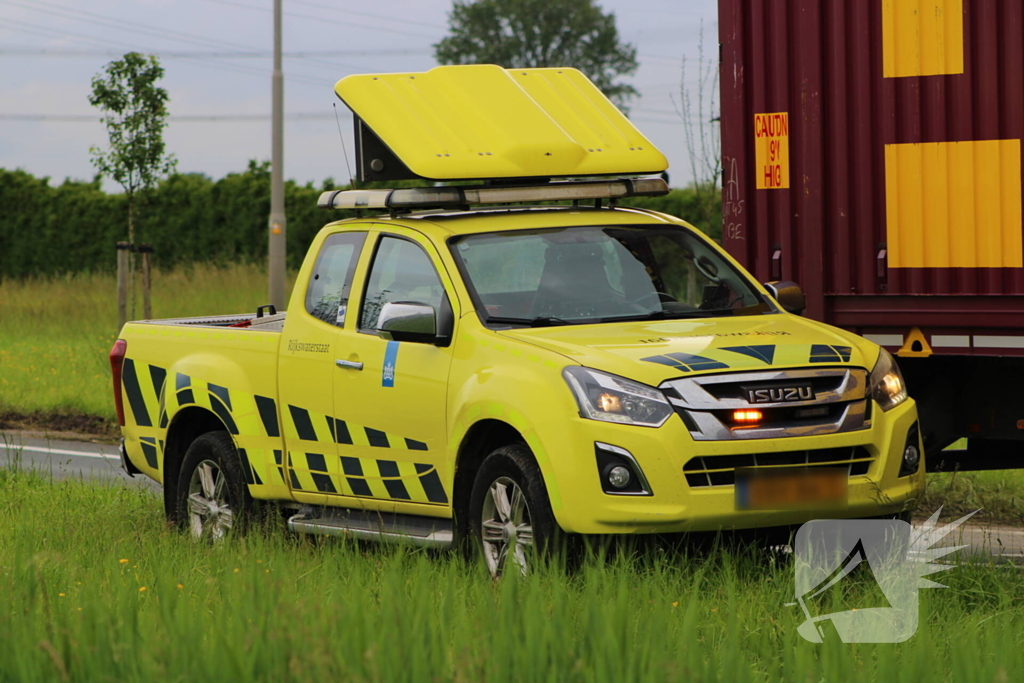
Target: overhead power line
{"x": 44, "y": 31}
{"x": 136, "y": 28}
{"x": 177, "y": 54}
{"x": 676, "y": 60}
{"x": 52, "y": 9}
{"x": 324, "y": 20}
{"x": 95, "y": 118}
{"x": 390, "y": 20}
{"x": 228, "y": 118}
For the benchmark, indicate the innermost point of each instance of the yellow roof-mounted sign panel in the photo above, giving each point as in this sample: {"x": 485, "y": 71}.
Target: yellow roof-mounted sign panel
{"x": 483, "y": 121}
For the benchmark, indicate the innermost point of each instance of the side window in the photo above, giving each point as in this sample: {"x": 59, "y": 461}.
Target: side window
{"x": 328, "y": 290}
{"x": 401, "y": 271}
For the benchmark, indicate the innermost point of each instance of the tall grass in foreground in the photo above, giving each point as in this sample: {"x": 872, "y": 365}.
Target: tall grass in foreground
{"x": 55, "y": 334}
{"x": 98, "y": 588}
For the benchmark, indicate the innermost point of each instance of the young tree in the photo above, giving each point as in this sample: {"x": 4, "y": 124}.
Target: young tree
{"x": 518, "y": 34}
{"x": 135, "y": 114}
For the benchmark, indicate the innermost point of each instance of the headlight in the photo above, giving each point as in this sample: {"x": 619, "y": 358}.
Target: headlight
{"x": 886, "y": 383}
{"x": 610, "y": 398}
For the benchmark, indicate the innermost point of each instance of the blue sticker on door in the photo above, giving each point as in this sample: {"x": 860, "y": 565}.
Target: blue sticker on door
{"x": 387, "y": 377}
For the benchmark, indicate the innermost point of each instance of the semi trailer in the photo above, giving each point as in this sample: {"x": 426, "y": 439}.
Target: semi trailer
{"x": 872, "y": 153}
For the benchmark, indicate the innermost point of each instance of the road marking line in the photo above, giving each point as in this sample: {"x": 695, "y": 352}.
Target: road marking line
{"x": 58, "y": 451}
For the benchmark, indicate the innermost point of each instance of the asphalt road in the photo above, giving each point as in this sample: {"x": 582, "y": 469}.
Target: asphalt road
{"x": 64, "y": 459}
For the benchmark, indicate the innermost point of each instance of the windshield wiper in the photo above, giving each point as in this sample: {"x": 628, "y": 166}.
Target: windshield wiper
{"x": 543, "y": 321}
{"x": 663, "y": 315}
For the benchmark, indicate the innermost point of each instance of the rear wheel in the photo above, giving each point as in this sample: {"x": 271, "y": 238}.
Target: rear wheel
{"x": 511, "y": 522}
{"x": 213, "y": 498}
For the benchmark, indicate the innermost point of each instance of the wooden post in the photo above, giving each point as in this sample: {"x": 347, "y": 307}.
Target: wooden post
{"x": 122, "y": 284}
{"x": 147, "y": 309}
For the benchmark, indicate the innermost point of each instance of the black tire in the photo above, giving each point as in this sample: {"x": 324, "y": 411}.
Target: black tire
{"x": 230, "y": 508}
{"x": 507, "y": 466}
{"x": 906, "y": 516}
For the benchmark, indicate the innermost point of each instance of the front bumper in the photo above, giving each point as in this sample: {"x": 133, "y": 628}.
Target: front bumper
{"x": 582, "y": 506}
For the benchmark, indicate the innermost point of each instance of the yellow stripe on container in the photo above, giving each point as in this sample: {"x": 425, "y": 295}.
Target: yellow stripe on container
{"x": 954, "y": 204}
{"x": 922, "y": 37}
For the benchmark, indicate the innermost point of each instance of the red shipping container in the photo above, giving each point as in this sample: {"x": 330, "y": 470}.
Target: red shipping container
{"x": 872, "y": 153}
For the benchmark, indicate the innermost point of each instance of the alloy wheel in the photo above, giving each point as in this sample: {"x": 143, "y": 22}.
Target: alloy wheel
{"x": 209, "y": 511}
{"x": 506, "y": 527}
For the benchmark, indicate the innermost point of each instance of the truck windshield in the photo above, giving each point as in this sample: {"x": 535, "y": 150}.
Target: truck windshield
{"x": 601, "y": 274}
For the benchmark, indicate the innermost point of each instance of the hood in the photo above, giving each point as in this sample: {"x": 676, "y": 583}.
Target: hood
{"x": 654, "y": 351}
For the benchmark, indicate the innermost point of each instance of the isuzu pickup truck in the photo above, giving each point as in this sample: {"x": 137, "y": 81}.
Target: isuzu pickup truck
{"x": 461, "y": 366}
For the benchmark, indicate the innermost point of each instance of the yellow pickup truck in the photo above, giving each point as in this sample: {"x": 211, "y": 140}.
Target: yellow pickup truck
{"x": 460, "y": 365}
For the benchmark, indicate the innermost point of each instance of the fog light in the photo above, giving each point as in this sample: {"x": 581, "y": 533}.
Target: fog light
{"x": 912, "y": 453}
{"x": 619, "y": 477}
{"x": 911, "y": 456}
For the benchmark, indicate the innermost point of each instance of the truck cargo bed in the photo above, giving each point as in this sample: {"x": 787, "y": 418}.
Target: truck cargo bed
{"x": 267, "y": 323}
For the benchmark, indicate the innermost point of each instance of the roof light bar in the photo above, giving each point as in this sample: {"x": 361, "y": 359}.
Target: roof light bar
{"x": 455, "y": 197}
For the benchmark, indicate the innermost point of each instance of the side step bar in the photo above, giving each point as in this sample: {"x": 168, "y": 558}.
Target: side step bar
{"x": 427, "y": 532}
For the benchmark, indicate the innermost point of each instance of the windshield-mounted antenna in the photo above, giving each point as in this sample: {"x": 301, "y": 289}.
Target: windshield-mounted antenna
{"x": 351, "y": 178}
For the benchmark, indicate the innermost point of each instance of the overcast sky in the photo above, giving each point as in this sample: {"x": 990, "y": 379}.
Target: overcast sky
{"x": 220, "y": 101}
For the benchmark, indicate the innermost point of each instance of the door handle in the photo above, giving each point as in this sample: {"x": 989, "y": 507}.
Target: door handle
{"x": 350, "y": 364}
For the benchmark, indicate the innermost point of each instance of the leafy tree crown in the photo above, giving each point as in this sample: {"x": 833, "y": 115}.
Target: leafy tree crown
{"x": 135, "y": 114}
{"x": 519, "y": 34}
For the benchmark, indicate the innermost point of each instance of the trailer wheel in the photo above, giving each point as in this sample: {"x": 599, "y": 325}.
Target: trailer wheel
{"x": 213, "y": 498}
{"x": 510, "y": 516}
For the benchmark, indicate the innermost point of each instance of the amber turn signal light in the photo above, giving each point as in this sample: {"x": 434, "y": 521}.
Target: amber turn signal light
{"x": 747, "y": 417}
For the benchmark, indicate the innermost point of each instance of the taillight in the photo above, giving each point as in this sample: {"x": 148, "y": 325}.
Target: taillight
{"x": 116, "y": 363}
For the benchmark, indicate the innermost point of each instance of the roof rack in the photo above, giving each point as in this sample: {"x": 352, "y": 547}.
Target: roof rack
{"x": 461, "y": 197}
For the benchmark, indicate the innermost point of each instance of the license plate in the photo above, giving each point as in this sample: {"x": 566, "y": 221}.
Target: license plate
{"x": 791, "y": 489}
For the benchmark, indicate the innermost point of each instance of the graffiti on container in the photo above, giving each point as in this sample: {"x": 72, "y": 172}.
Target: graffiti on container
{"x": 732, "y": 205}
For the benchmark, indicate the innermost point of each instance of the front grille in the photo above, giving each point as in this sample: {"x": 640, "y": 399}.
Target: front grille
{"x": 720, "y": 470}
{"x": 836, "y": 402}
{"x": 794, "y": 416}
{"x": 821, "y": 385}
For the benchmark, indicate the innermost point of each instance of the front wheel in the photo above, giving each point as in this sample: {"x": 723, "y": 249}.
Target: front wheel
{"x": 212, "y": 495}
{"x": 510, "y": 516}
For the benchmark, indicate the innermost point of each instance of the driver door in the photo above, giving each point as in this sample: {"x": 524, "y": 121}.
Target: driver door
{"x": 392, "y": 396}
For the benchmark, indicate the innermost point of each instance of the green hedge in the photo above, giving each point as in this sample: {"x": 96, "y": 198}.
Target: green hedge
{"x": 187, "y": 218}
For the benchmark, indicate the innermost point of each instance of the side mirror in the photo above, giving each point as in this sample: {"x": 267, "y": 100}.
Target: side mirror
{"x": 789, "y": 295}
{"x": 413, "y": 321}
{"x": 407, "y": 321}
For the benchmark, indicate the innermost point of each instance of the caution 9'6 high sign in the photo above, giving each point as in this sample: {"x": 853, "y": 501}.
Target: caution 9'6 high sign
{"x": 771, "y": 150}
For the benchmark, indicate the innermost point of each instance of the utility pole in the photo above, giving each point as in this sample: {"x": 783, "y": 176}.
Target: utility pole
{"x": 276, "y": 247}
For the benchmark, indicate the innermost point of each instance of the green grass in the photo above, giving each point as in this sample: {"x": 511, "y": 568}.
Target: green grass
{"x": 96, "y": 587}
{"x": 999, "y": 495}
{"x": 57, "y": 333}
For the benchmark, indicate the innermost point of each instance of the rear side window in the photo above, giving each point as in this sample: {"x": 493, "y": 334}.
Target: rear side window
{"x": 329, "y": 285}
{"x": 401, "y": 271}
